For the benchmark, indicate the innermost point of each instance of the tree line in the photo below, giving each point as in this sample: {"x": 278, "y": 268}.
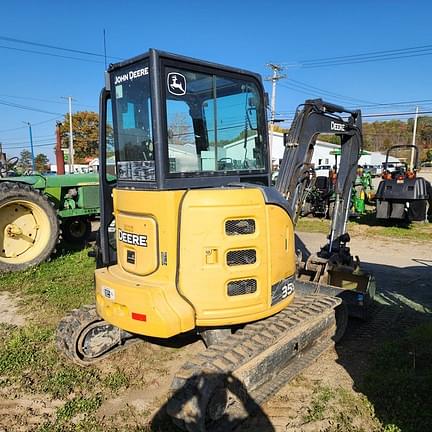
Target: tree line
{"x": 381, "y": 135}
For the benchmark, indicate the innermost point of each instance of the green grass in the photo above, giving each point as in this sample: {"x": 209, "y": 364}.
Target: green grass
{"x": 313, "y": 225}
{"x": 78, "y": 405}
{"x": 368, "y": 226}
{"x": 29, "y": 359}
{"x": 56, "y": 287}
{"x": 399, "y": 381}
{"x": 321, "y": 397}
{"x": 336, "y": 409}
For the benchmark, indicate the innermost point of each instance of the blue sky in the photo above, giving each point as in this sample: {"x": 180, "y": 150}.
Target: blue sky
{"x": 246, "y": 34}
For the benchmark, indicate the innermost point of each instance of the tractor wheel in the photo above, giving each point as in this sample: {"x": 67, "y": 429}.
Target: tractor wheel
{"x": 29, "y": 228}
{"x": 76, "y": 229}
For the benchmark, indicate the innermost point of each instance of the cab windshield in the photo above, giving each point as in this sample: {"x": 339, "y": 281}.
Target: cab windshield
{"x": 132, "y": 116}
{"x": 214, "y": 124}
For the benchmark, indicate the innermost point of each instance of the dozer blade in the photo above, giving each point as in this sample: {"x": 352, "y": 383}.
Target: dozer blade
{"x": 220, "y": 387}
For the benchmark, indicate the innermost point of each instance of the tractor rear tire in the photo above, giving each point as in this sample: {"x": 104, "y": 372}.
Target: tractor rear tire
{"x": 29, "y": 228}
{"x": 76, "y": 230}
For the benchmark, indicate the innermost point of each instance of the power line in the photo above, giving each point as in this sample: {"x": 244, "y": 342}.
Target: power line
{"x": 55, "y": 47}
{"x": 34, "y": 124}
{"x": 25, "y": 107}
{"x": 409, "y": 103}
{"x": 396, "y": 114}
{"x": 311, "y": 90}
{"x": 369, "y": 53}
{"x": 372, "y": 59}
{"x": 401, "y": 103}
{"x": 28, "y": 145}
{"x": 40, "y": 139}
{"x": 370, "y": 56}
{"x": 53, "y": 101}
{"x": 50, "y": 54}
{"x": 300, "y": 83}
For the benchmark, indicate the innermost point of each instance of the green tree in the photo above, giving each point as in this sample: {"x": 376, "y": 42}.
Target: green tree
{"x": 424, "y": 136}
{"x": 25, "y": 162}
{"x": 85, "y": 128}
{"x": 180, "y": 131}
{"x": 42, "y": 163}
{"x": 280, "y": 129}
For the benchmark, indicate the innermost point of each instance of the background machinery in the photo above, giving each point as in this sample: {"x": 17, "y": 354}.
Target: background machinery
{"x": 37, "y": 211}
{"x": 317, "y": 196}
{"x": 203, "y": 242}
{"x": 401, "y": 194}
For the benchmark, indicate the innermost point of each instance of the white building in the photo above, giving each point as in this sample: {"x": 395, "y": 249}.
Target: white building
{"x": 376, "y": 159}
{"x": 321, "y": 155}
{"x": 78, "y": 168}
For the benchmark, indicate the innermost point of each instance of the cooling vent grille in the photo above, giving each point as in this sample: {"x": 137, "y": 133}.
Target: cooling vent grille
{"x": 241, "y": 257}
{"x": 240, "y": 287}
{"x": 239, "y": 226}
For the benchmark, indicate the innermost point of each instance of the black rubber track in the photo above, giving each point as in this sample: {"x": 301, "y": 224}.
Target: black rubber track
{"x": 215, "y": 370}
{"x": 71, "y": 328}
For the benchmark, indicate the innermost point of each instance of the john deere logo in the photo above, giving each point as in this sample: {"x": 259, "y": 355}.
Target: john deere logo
{"x": 176, "y": 84}
{"x": 132, "y": 239}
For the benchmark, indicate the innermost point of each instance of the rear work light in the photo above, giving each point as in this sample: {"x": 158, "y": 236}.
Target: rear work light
{"x": 139, "y": 317}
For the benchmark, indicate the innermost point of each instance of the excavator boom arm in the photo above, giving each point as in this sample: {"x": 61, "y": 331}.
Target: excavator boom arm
{"x": 312, "y": 118}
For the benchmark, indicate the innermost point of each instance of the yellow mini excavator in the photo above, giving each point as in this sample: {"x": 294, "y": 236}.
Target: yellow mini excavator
{"x": 196, "y": 239}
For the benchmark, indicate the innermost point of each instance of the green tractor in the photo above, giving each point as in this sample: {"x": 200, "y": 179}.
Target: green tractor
{"x": 38, "y": 211}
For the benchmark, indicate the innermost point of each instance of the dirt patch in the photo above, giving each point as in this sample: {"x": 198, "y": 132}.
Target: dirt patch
{"x": 9, "y": 310}
{"x": 159, "y": 364}
{"x": 26, "y": 412}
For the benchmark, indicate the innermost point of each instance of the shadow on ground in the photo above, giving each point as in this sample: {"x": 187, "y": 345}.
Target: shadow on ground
{"x": 370, "y": 219}
{"x": 388, "y": 357}
{"x": 197, "y": 405}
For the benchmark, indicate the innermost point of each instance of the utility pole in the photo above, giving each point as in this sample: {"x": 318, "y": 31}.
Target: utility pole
{"x": 274, "y": 79}
{"x": 105, "y": 52}
{"x": 58, "y": 151}
{"x": 31, "y": 146}
{"x": 2, "y": 157}
{"x": 414, "y": 139}
{"x": 71, "y": 155}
